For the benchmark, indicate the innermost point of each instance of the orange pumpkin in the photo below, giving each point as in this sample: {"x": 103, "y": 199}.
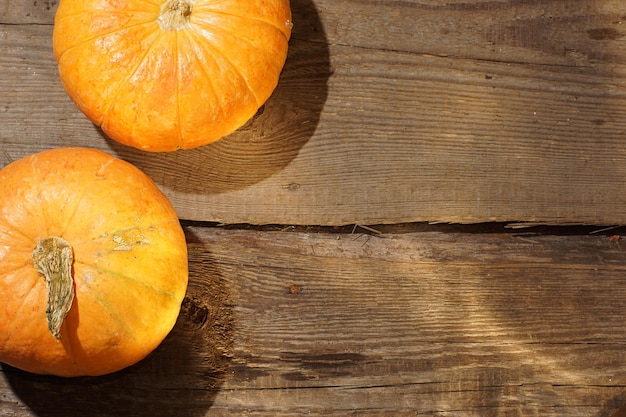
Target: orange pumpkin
{"x": 93, "y": 263}
{"x": 161, "y": 75}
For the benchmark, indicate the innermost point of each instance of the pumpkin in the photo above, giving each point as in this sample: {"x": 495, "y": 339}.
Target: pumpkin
{"x": 160, "y": 75}
{"x": 93, "y": 263}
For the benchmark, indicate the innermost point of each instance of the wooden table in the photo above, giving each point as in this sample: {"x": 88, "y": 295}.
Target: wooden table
{"x": 370, "y": 244}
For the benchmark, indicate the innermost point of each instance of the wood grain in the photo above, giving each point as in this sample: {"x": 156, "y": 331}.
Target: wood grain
{"x": 333, "y": 324}
{"x": 386, "y": 112}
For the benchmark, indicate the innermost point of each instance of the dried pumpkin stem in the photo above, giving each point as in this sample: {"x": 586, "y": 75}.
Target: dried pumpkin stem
{"x": 175, "y": 14}
{"x": 53, "y": 259}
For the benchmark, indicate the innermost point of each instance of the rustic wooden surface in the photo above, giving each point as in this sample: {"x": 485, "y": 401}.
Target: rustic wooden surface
{"x": 462, "y": 111}
{"x": 284, "y": 323}
{"x": 386, "y": 112}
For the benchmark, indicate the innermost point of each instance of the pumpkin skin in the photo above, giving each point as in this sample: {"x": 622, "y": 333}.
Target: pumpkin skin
{"x": 130, "y": 268}
{"x": 160, "y": 75}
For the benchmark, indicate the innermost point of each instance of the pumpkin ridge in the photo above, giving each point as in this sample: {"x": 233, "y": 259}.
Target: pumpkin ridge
{"x": 100, "y": 35}
{"x": 12, "y": 227}
{"x": 46, "y": 215}
{"x": 40, "y": 208}
{"x": 192, "y": 35}
{"x": 107, "y": 306}
{"x": 30, "y": 215}
{"x": 217, "y": 28}
{"x": 73, "y": 215}
{"x": 102, "y": 167}
{"x": 181, "y": 140}
{"x": 17, "y": 314}
{"x": 26, "y": 264}
{"x": 129, "y": 76}
{"x": 210, "y": 45}
{"x": 152, "y": 3}
{"x": 285, "y": 33}
{"x": 120, "y": 11}
{"x": 127, "y": 278}
{"x": 42, "y": 213}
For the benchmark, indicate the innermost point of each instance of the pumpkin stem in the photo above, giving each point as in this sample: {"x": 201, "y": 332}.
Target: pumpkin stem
{"x": 175, "y": 14}
{"x": 53, "y": 259}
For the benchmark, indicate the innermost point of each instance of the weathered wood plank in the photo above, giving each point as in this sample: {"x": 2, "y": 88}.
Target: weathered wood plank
{"x": 28, "y": 12}
{"x": 336, "y": 324}
{"x": 386, "y": 112}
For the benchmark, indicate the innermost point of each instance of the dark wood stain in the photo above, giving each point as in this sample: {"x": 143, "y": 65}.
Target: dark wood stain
{"x": 600, "y": 34}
